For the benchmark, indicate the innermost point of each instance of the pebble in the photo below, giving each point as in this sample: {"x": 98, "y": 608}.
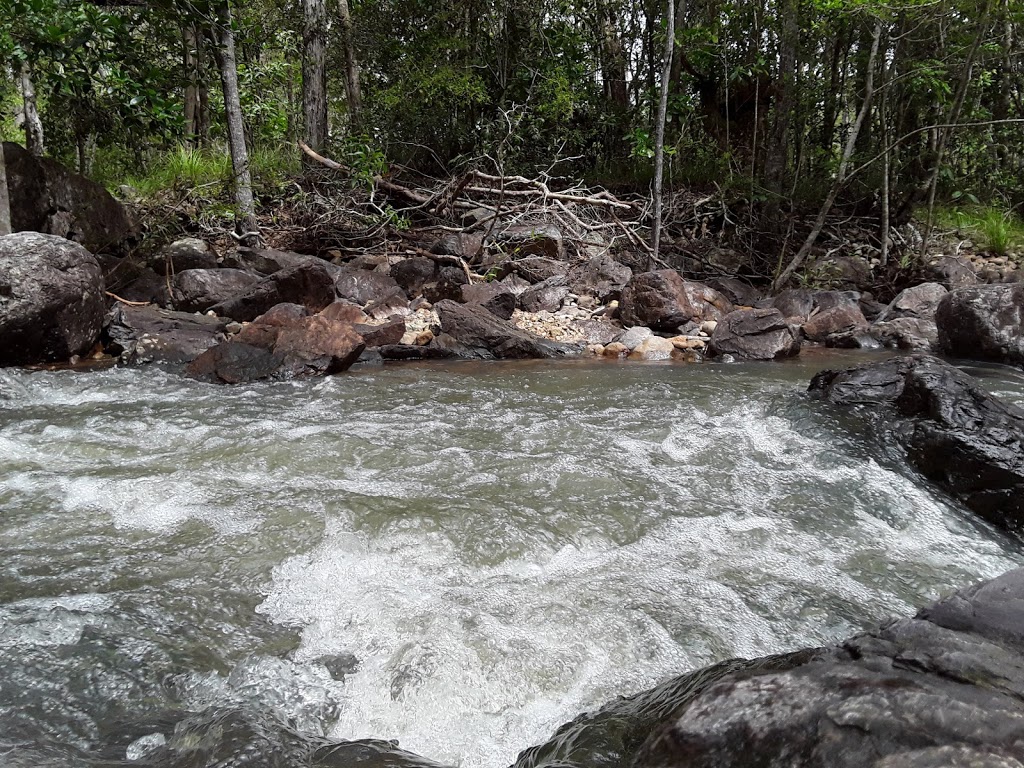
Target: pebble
{"x": 708, "y": 327}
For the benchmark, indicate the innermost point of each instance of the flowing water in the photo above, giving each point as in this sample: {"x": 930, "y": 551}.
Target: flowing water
{"x": 460, "y": 558}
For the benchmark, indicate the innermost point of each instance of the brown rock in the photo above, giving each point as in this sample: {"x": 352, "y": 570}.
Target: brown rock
{"x": 309, "y": 284}
{"x": 754, "y": 334}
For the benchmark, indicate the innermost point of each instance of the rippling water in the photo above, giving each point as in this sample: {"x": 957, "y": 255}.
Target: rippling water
{"x": 459, "y": 558}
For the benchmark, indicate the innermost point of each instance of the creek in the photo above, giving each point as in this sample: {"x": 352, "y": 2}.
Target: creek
{"x": 457, "y": 557}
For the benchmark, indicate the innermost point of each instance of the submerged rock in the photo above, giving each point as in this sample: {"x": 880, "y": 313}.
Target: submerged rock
{"x": 945, "y": 688}
{"x": 957, "y": 434}
{"x": 51, "y": 299}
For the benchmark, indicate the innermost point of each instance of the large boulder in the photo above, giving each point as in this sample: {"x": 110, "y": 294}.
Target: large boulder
{"x": 957, "y": 434}
{"x": 662, "y": 300}
{"x": 983, "y": 322}
{"x": 481, "y": 335}
{"x": 739, "y": 292}
{"x": 149, "y": 334}
{"x": 908, "y": 322}
{"x": 285, "y": 343}
{"x": 496, "y": 297}
{"x": 310, "y": 284}
{"x": 546, "y": 296}
{"x": 428, "y": 278}
{"x": 825, "y": 325}
{"x": 51, "y": 299}
{"x": 754, "y": 334}
{"x": 794, "y": 303}
{"x": 196, "y": 290}
{"x": 943, "y": 689}
{"x": 601, "y": 277}
{"x": 186, "y": 253}
{"x": 267, "y": 261}
{"x": 46, "y": 197}
{"x": 528, "y": 240}
{"x": 940, "y": 690}
{"x": 363, "y": 287}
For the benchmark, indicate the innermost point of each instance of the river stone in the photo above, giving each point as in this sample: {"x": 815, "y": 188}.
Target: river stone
{"x": 51, "y": 299}
{"x": 534, "y": 269}
{"x": 484, "y": 336}
{"x": 739, "y": 292}
{"x": 662, "y": 300}
{"x": 186, "y": 253}
{"x": 146, "y": 286}
{"x": 384, "y": 334}
{"x": 309, "y": 284}
{"x": 956, "y": 433}
{"x": 908, "y": 321}
{"x": 363, "y": 287}
{"x": 983, "y": 322}
{"x": 846, "y": 318}
{"x": 794, "y": 303}
{"x": 496, "y": 298}
{"x": 424, "y": 277}
{"x": 635, "y": 336}
{"x": 196, "y": 290}
{"x": 150, "y": 334}
{"x": 653, "y": 348}
{"x": 754, "y": 334}
{"x": 546, "y": 296}
{"x": 601, "y": 277}
{"x": 46, "y": 197}
{"x": 528, "y": 240}
{"x": 920, "y": 301}
{"x": 267, "y": 261}
{"x": 952, "y": 272}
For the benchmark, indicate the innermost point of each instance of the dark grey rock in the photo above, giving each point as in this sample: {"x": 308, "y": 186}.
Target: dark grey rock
{"x": 528, "y": 240}
{"x": 795, "y": 303}
{"x": 46, "y": 197}
{"x": 151, "y": 334}
{"x": 957, "y": 434}
{"x": 983, "y": 322}
{"x": 52, "y": 302}
{"x": 662, "y": 300}
{"x": 487, "y": 336}
{"x": 196, "y": 290}
{"x": 496, "y": 298}
{"x": 601, "y": 277}
{"x": 739, "y": 292}
{"x": 187, "y": 253}
{"x": 754, "y": 334}
{"x": 364, "y": 287}
{"x": 546, "y": 296}
{"x": 310, "y": 284}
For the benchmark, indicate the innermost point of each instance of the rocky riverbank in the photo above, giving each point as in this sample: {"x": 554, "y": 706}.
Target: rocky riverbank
{"x": 214, "y": 312}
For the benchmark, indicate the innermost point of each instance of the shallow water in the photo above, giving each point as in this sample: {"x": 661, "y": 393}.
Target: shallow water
{"x": 477, "y": 553}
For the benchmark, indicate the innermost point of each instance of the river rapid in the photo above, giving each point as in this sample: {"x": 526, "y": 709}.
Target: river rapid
{"x": 460, "y": 557}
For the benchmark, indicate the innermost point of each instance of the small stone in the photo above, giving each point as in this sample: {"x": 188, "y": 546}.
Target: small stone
{"x": 688, "y": 342}
{"x": 210, "y": 313}
{"x": 233, "y": 327}
{"x": 635, "y": 336}
{"x": 653, "y": 348}
{"x": 708, "y": 327}
{"x": 597, "y": 350}
{"x": 616, "y": 349}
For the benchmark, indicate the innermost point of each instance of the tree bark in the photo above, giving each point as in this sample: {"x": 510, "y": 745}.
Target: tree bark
{"x": 224, "y": 50}
{"x": 844, "y": 163}
{"x": 5, "y": 200}
{"x": 777, "y": 147}
{"x": 659, "y": 142}
{"x": 353, "y": 94}
{"x": 190, "y": 56}
{"x": 33, "y": 124}
{"x": 314, "y": 72}
{"x": 613, "y": 59}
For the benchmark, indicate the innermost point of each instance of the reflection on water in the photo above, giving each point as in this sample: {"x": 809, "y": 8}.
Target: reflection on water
{"x": 457, "y": 557}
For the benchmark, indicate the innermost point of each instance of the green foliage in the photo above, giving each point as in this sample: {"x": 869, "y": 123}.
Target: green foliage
{"x": 995, "y": 230}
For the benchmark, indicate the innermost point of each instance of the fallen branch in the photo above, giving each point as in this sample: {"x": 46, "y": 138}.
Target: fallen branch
{"x": 125, "y": 301}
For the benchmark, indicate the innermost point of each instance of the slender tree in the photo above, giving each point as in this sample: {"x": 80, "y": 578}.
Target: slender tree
{"x": 5, "y": 199}
{"x": 314, "y": 72}
{"x": 659, "y": 143}
{"x": 223, "y": 37}
{"x": 353, "y": 94}
{"x": 30, "y": 110}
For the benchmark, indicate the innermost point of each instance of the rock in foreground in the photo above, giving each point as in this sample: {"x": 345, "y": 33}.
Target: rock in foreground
{"x": 957, "y": 434}
{"x": 51, "y": 299}
{"x": 754, "y": 334}
{"x": 942, "y": 689}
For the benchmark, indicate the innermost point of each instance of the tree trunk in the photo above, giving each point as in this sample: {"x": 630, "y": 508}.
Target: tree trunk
{"x": 659, "y": 145}
{"x": 224, "y": 50}
{"x": 844, "y": 163}
{"x": 613, "y": 60}
{"x": 777, "y": 145}
{"x": 352, "y": 92}
{"x": 5, "y": 200}
{"x": 190, "y": 60}
{"x": 33, "y": 125}
{"x": 314, "y": 72}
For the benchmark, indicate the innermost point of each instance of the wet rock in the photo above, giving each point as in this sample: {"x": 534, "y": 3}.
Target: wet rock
{"x": 413, "y": 352}
{"x": 485, "y": 335}
{"x": 908, "y": 322}
{"x": 983, "y": 322}
{"x": 309, "y": 284}
{"x": 754, "y": 334}
{"x": 601, "y": 277}
{"x": 964, "y": 439}
{"x": 943, "y": 688}
{"x": 739, "y": 292}
{"x": 529, "y": 240}
{"x": 196, "y": 290}
{"x": 652, "y": 348}
{"x": 187, "y": 253}
{"x": 283, "y": 344}
{"x": 496, "y": 298}
{"x": 662, "y": 300}
{"x": 615, "y": 349}
{"x": 546, "y": 296}
{"x": 150, "y": 334}
{"x": 46, "y": 197}
{"x": 635, "y": 336}
{"x": 51, "y": 299}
